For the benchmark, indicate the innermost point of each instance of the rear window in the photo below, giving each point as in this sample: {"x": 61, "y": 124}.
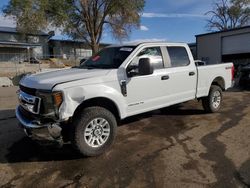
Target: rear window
{"x": 178, "y": 56}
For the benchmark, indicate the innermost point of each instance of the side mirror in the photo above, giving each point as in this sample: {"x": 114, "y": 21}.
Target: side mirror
{"x": 145, "y": 67}
{"x": 200, "y": 63}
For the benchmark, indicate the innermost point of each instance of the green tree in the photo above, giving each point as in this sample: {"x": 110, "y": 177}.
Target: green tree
{"x": 229, "y": 14}
{"x": 79, "y": 19}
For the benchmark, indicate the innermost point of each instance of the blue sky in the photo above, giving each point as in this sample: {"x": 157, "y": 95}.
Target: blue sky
{"x": 168, "y": 20}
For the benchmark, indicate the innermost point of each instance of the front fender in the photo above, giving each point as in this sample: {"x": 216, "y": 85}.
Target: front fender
{"x": 73, "y": 97}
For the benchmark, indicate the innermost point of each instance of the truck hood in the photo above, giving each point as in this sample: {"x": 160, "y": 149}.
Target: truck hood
{"x": 47, "y": 80}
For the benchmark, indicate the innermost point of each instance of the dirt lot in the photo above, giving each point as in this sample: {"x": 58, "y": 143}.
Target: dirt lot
{"x": 180, "y": 147}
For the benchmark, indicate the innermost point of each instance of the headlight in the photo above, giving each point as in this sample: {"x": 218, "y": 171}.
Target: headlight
{"x": 57, "y": 98}
{"x": 51, "y": 102}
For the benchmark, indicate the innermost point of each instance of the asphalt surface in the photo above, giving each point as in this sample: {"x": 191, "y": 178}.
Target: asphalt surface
{"x": 174, "y": 147}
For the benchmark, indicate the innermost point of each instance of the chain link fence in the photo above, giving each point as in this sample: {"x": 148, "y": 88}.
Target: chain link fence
{"x": 14, "y": 64}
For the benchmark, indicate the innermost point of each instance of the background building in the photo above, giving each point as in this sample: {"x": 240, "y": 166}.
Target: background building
{"x": 70, "y": 49}
{"x": 15, "y": 46}
{"x": 193, "y": 48}
{"x": 225, "y": 46}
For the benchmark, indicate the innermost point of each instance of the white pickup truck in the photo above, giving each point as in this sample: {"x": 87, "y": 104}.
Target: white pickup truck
{"x": 83, "y": 104}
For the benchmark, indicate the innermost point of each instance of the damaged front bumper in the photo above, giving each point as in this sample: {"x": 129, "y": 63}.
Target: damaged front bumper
{"x": 50, "y": 131}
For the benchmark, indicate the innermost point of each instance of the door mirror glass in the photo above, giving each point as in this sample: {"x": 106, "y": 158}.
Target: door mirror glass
{"x": 145, "y": 67}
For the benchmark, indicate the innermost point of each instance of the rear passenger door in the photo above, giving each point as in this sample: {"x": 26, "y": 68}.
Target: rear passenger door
{"x": 181, "y": 84}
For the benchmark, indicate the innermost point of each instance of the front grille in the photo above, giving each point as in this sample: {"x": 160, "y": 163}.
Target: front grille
{"x": 29, "y": 102}
{"x": 30, "y": 91}
{"x": 27, "y": 114}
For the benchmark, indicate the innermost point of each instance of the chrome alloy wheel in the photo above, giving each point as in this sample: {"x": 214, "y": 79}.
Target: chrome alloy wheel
{"x": 97, "y": 132}
{"x": 216, "y": 99}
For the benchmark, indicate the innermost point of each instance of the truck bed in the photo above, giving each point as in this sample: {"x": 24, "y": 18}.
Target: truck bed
{"x": 208, "y": 73}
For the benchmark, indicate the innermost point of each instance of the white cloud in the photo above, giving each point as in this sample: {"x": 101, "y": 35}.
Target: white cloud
{"x": 184, "y": 3}
{"x": 148, "y": 40}
{"x": 7, "y": 21}
{"x": 144, "y": 28}
{"x": 171, "y": 15}
{"x": 188, "y": 6}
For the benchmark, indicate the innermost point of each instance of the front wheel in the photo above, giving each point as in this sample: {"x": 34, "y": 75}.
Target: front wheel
{"x": 94, "y": 131}
{"x": 212, "y": 103}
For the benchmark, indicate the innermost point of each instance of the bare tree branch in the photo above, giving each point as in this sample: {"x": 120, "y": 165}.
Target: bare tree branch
{"x": 226, "y": 15}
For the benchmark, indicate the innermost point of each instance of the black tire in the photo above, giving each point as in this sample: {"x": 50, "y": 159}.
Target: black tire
{"x": 80, "y": 124}
{"x": 208, "y": 102}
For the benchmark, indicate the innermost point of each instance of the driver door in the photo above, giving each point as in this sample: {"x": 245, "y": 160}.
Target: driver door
{"x": 146, "y": 92}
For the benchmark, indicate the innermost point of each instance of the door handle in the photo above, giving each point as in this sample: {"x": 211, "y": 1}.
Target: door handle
{"x": 166, "y": 77}
{"x": 191, "y": 73}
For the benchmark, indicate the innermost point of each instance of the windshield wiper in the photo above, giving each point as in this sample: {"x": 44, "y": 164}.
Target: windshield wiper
{"x": 86, "y": 67}
{"x": 93, "y": 67}
{"x": 98, "y": 66}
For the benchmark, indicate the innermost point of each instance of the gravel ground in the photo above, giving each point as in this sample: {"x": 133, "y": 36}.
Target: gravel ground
{"x": 174, "y": 147}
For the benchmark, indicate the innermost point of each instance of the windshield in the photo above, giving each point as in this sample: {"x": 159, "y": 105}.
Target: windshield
{"x": 108, "y": 58}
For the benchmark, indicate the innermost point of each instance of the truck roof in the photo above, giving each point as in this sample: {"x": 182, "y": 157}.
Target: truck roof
{"x": 148, "y": 43}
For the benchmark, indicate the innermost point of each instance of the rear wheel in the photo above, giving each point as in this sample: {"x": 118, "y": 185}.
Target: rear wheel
{"x": 94, "y": 131}
{"x": 212, "y": 103}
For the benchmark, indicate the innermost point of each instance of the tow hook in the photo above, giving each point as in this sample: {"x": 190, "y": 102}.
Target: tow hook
{"x": 55, "y": 131}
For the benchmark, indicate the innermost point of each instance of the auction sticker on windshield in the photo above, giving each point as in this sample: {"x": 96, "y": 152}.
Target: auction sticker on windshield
{"x": 126, "y": 49}
{"x": 96, "y": 58}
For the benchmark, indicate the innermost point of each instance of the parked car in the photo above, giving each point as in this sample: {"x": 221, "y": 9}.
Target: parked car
{"x": 32, "y": 60}
{"x": 245, "y": 76}
{"x": 84, "y": 104}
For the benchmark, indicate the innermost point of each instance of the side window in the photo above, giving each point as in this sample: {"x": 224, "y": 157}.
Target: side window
{"x": 153, "y": 53}
{"x": 178, "y": 56}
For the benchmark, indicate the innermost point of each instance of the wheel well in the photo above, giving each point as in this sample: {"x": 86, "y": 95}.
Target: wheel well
{"x": 219, "y": 81}
{"x": 102, "y": 102}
